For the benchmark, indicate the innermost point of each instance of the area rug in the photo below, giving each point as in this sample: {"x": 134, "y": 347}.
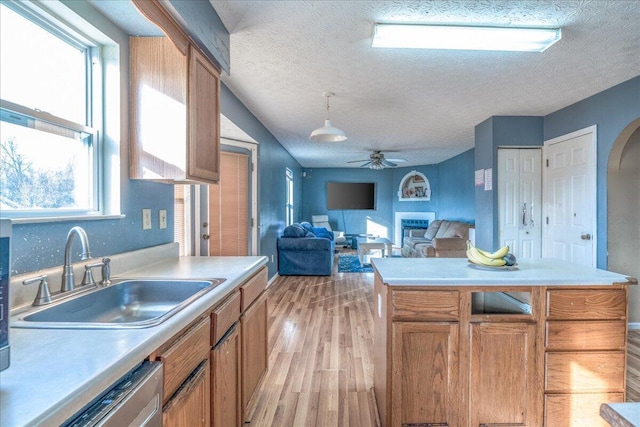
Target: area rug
{"x": 351, "y": 264}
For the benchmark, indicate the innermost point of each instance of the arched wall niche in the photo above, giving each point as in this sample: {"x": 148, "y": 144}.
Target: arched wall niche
{"x": 414, "y": 187}
{"x": 623, "y": 205}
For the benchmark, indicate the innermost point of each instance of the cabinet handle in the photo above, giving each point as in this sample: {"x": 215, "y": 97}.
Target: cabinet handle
{"x": 226, "y": 335}
{"x": 585, "y": 236}
{"x": 189, "y": 384}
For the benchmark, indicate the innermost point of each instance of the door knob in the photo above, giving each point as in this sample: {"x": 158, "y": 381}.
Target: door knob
{"x": 205, "y": 236}
{"x": 585, "y": 236}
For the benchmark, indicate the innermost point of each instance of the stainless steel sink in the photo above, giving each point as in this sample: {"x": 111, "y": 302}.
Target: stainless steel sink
{"x": 126, "y": 304}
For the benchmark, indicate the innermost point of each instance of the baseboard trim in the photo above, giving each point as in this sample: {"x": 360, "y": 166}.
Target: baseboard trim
{"x": 634, "y": 326}
{"x": 275, "y": 276}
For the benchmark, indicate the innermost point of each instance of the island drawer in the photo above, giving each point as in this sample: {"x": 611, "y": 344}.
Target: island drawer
{"x": 425, "y": 305}
{"x": 224, "y": 316}
{"x": 585, "y": 372}
{"x": 251, "y": 289}
{"x": 586, "y": 304}
{"x": 577, "y": 410}
{"x": 586, "y": 335}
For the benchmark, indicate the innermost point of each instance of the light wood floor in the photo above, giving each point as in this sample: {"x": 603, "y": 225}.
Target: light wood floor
{"x": 320, "y": 360}
{"x": 320, "y": 354}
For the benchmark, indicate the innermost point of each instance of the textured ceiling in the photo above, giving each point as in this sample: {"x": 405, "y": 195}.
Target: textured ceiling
{"x": 420, "y": 105}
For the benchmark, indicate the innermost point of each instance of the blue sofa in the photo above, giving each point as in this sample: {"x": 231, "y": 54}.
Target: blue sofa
{"x": 304, "y": 250}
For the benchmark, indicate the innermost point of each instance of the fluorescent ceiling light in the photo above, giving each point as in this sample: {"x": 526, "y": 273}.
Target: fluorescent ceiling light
{"x": 465, "y": 38}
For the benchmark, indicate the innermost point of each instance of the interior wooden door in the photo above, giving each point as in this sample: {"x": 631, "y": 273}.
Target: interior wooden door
{"x": 229, "y": 207}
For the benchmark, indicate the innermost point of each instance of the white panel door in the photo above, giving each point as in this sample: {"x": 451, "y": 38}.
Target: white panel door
{"x": 570, "y": 197}
{"x": 519, "y": 200}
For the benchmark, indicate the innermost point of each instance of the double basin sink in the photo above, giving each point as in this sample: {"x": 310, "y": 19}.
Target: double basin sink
{"x": 135, "y": 303}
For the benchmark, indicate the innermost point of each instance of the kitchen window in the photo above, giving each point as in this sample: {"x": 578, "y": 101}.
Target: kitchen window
{"x": 50, "y": 152}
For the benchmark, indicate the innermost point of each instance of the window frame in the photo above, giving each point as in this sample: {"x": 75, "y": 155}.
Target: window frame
{"x": 102, "y": 52}
{"x": 289, "y": 204}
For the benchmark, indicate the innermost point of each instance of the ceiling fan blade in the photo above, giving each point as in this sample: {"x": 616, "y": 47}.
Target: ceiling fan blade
{"x": 358, "y": 161}
{"x": 366, "y": 165}
{"x": 388, "y": 163}
{"x": 396, "y": 160}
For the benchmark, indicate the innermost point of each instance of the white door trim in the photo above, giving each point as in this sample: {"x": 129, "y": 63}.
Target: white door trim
{"x": 593, "y": 132}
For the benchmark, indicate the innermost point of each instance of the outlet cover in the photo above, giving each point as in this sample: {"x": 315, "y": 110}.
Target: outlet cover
{"x": 162, "y": 218}
{"x": 146, "y": 219}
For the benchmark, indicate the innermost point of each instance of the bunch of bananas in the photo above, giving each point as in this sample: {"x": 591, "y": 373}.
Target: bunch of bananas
{"x": 498, "y": 258}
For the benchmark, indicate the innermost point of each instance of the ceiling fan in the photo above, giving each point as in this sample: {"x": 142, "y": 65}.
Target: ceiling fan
{"x": 377, "y": 161}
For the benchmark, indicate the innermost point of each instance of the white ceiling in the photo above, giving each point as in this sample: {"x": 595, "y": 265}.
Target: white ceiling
{"x": 420, "y": 105}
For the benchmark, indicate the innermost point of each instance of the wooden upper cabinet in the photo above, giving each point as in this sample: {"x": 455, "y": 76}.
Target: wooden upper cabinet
{"x": 203, "y": 110}
{"x": 175, "y": 114}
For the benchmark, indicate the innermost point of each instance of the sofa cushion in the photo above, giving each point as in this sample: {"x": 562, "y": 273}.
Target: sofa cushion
{"x": 322, "y": 232}
{"x": 432, "y": 230}
{"x": 453, "y": 229}
{"x": 294, "y": 230}
{"x": 307, "y": 226}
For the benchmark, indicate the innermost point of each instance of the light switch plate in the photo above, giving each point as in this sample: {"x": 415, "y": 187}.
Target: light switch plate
{"x": 146, "y": 219}
{"x": 162, "y": 219}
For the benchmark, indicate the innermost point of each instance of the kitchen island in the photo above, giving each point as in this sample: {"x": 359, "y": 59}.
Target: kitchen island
{"x": 56, "y": 372}
{"x": 542, "y": 344}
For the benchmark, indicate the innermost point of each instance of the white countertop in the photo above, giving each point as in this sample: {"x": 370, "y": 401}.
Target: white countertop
{"x": 459, "y": 272}
{"x": 55, "y": 372}
{"x": 621, "y": 414}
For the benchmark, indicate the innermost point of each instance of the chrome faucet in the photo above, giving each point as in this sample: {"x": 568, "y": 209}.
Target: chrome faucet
{"x": 67, "y": 269}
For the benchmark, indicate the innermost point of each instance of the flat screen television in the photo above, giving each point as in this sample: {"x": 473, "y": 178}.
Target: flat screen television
{"x": 351, "y": 195}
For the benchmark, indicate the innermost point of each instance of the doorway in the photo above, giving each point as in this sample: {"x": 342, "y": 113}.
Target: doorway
{"x": 623, "y": 205}
{"x": 569, "y": 197}
{"x": 228, "y": 210}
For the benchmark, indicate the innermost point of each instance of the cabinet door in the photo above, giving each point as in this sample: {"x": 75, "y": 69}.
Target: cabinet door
{"x": 158, "y": 131}
{"x": 225, "y": 381}
{"x": 203, "y": 146}
{"x": 425, "y": 374}
{"x": 254, "y": 350}
{"x": 190, "y": 405}
{"x": 503, "y": 375}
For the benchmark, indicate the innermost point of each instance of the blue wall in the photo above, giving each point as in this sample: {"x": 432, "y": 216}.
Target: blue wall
{"x": 452, "y": 195}
{"x": 456, "y": 191}
{"x": 273, "y": 161}
{"x": 314, "y": 198}
{"x": 611, "y": 110}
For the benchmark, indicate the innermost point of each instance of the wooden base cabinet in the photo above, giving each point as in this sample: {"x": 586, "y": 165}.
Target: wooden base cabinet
{"x": 254, "y": 351}
{"x": 185, "y": 360}
{"x": 446, "y": 356}
{"x": 425, "y": 374}
{"x": 225, "y": 381}
{"x": 502, "y": 375}
{"x": 585, "y": 354}
{"x": 189, "y": 406}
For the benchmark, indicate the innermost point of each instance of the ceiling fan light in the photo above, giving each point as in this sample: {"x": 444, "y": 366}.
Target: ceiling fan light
{"x": 327, "y": 133}
{"x": 376, "y": 166}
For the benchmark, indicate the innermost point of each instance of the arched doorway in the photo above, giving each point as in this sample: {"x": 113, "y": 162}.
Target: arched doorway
{"x": 623, "y": 205}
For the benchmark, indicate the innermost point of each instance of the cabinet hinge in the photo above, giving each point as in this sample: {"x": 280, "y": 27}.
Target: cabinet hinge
{"x": 547, "y": 162}
{"x": 547, "y": 220}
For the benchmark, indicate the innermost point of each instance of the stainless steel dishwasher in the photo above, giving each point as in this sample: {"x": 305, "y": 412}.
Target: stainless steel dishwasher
{"x": 134, "y": 400}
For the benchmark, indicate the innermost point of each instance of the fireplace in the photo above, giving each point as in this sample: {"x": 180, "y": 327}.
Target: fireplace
{"x": 412, "y": 224}
{"x": 398, "y": 217}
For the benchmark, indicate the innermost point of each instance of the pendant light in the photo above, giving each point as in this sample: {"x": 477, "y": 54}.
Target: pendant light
{"x": 327, "y": 133}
